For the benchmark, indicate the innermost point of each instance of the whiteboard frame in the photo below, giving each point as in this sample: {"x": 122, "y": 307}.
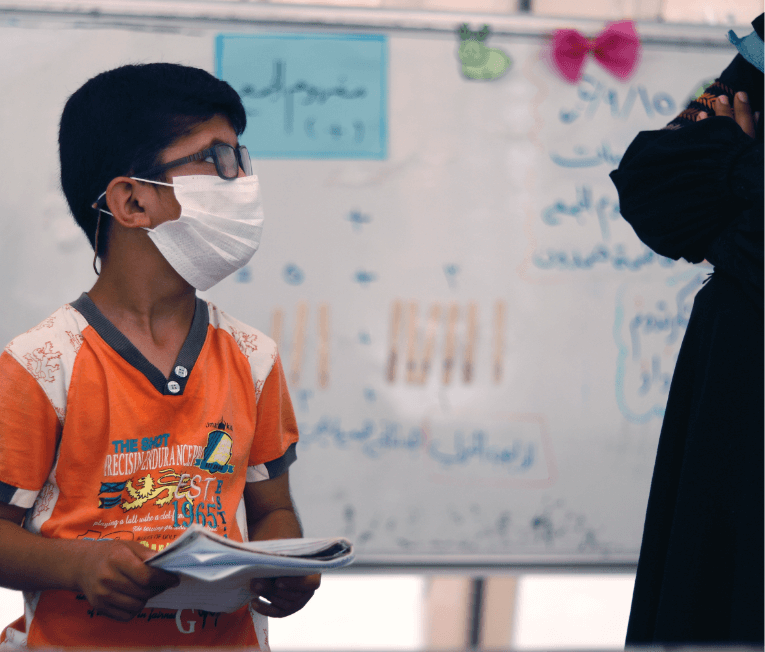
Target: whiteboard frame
{"x": 185, "y": 15}
{"x": 484, "y": 565}
{"x": 113, "y": 13}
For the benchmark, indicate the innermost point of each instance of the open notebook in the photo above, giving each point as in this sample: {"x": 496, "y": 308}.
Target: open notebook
{"x": 215, "y": 572}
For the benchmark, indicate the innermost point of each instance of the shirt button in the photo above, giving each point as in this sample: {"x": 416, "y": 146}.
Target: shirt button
{"x": 181, "y": 372}
{"x": 173, "y": 387}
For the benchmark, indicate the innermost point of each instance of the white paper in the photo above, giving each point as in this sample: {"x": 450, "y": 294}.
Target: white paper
{"x": 215, "y": 572}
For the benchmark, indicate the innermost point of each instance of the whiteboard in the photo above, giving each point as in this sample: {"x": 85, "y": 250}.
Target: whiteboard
{"x": 478, "y": 348}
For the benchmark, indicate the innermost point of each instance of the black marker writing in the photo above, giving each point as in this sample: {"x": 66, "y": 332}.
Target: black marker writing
{"x": 311, "y": 94}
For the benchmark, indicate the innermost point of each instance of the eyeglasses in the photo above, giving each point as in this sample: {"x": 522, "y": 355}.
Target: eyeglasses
{"x": 227, "y": 161}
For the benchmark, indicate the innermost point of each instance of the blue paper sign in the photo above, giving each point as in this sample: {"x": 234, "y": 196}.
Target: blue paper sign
{"x": 309, "y": 96}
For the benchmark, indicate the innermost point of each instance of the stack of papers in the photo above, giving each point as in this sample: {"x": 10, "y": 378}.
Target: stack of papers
{"x": 215, "y": 573}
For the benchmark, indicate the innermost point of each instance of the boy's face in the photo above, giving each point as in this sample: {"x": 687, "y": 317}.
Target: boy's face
{"x": 216, "y": 130}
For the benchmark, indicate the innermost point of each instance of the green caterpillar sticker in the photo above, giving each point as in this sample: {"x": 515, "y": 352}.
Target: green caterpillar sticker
{"x": 478, "y": 61}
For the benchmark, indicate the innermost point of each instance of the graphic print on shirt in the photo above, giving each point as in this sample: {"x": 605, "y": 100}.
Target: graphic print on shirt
{"x": 157, "y": 482}
{"x": 247, "y": 342}
{"x": 106, "y": 502}
{"x": 41, "y": 362}
{"x": 146, "y": 490}
{"x": 43, "y": 502}
{"x": 140, "y": 491}
{"x": 217, "y": 453}
{"x": 96, "y": 535}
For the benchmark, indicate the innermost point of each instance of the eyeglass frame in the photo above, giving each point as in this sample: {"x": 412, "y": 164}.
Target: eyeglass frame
{"x": 152, "y": 172}
{"x": 210, "y": 151}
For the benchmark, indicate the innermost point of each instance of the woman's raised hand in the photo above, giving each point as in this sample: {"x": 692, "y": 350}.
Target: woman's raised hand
{"x": 741, "y": 112}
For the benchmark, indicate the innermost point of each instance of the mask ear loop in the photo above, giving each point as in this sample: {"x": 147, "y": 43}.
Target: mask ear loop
{"x": 159, "y": 183}
{"x": 100, "y": 210}
{"x": 98, "y": 231}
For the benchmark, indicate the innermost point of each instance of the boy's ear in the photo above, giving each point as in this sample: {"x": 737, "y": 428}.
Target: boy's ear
{"x": 126, "y": 200}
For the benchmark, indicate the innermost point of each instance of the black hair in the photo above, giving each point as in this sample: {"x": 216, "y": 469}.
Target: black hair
{"x": 120, "y": 121}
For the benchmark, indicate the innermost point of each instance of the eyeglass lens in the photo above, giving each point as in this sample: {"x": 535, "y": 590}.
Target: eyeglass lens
{"x": 227, "y": 161}
{"x": 244, "y": 156}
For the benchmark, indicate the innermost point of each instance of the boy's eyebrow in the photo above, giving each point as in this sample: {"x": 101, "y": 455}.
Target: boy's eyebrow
{"x": 219, "y": 141}
{"x": 215, "y": 140}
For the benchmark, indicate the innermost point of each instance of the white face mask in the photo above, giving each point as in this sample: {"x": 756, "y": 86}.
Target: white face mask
{"x": 218, "y": 230}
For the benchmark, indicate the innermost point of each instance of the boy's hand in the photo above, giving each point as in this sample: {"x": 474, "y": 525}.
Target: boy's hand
{"x": 741, "y": 112}
{"x": 115, "y": 580}
{"x": 286, "y": 594}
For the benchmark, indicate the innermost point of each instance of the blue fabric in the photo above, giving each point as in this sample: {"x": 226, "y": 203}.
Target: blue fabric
{"x": 6, "y": 492}
{"x": 750, "y": 47}
{"x": 278, "y": 466}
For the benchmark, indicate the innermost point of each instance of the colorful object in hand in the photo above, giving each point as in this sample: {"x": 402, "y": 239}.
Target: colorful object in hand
{"x": 616, "y": 48}
{"x": 750, "y": 47}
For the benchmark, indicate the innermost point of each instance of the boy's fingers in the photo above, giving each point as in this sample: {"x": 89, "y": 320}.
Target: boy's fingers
{"x": 126, "y": 603}
{"x": 266, "y": 609}
{"x": 743, "y": 112}
{"x": 262, "y": 586}
{"x": 163, "y": 580}
{"x": 284, "y": 595}
{"x": 288, "y": 603}
{"x": 702, "y": 116}
{"x": 279, "y": 589}
{"x": 723, "y": 107}
{"x": 277, "y": 608}
{"x": 148, "y": 576}
{"x": 300, "y": 583}
{"x": 142, "y": 552}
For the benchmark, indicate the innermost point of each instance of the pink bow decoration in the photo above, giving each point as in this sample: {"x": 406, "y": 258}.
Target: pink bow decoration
{"x": 616, "y": 48}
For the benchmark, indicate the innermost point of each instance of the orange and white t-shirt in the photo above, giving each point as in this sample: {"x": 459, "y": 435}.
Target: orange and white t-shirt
{"x": 97, "y": 444}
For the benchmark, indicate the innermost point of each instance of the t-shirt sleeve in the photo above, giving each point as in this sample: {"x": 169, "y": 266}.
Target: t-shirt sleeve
{"x": 276, "y": 432}
{"x": 29, "y": 433}
{"x": 681, "y": 189}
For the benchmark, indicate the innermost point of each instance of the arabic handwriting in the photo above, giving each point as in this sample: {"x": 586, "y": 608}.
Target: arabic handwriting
{"x": 244, "y": 275}
{"x": 451, "y": 270}
{"x": 311, "y": 94}
{"x": 656, "y": 376}
{"x": 584, "y": 157}
{"x": 643, "y": 324}
{"x": 278, "y": 86}
{"x": 592, "y": 94}
{"x": 359, "y": 129}
{"x": 327, "y": 429}
{"x": 375, "y": 438}
{"x": 600, "y": 254}
{"x": 364, "y": 278}
{"x": 652, "y": 322}
{"x": 648, "y": 336}
{"x": 582, "y": 205}
{"x": 519, "y": 455}
{"x": 358, "y": 219}
{"x": 293, "y": 275}
{"x": 372, "y": 437}
{"x": 302, "y": 396}
{"x": 392, "y": 437}
{"x": 605, "y": 209}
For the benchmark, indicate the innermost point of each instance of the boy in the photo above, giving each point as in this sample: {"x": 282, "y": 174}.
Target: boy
{"x": 695, "y": 190}
{"x": 139, "y": 409}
